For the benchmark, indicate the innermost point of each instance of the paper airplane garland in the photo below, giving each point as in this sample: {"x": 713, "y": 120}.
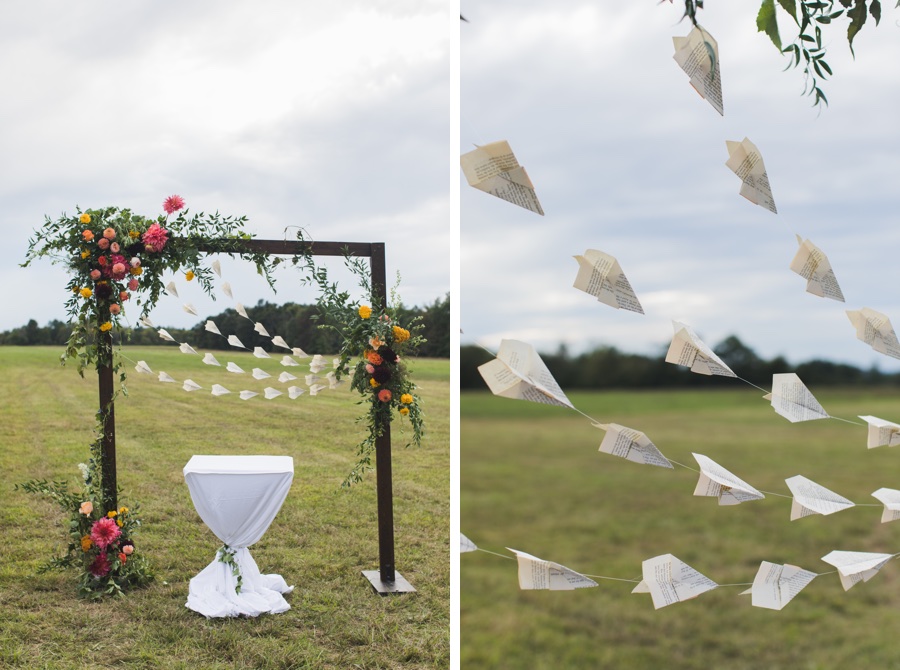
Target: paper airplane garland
{"x": 601, "y": 276}
{"x": 493, "y": 168}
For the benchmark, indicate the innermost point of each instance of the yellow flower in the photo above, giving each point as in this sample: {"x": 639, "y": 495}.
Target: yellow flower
{"x": 103, "y": 328}
{"x": 406, "y": 399}
{"x": 404, "y": 410}
{"x": 136, "y": 271}
{"x": 189, "y": 275}
{"x": 123, "y": 510}
{"x": 365, "y": 311}
{"x": 400, "y": 334}
{"x": 119, "y": 523}
{"x": 373, "y": 383}
{"x": 85, "y": 253}
{"x": 111, "y": 514}
{"x": 86, "y": 293}
{"x": 133, "y": 234}
{"x": 86, "y": 543}
{"x": 85, "y": 218}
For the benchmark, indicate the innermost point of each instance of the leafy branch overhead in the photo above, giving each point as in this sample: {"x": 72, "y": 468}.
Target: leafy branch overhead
{"x": 812, "y": 17}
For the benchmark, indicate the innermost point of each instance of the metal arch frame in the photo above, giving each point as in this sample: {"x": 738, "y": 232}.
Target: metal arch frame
{"x": 386, "y": 579}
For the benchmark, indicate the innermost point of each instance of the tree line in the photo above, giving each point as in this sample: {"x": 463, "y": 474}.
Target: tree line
{"x": 607, "y": 367}
{"x": 297, "y": 324}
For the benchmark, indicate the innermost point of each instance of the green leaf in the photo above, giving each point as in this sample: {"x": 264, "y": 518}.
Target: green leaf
{"x": 825, "y": 67}
{"x": 875, "y": 10}
{"x": 766, "y": 22}
{"x": 847, "y": 3}
{"x": 790, "y": 6}
{"x": 857, "y": 20}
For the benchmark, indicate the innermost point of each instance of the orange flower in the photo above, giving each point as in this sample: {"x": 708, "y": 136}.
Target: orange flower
{"x": 404, "y": 410}
{"x": 375, "y": 343}
{"x": 87, "y": 235}
{"x": 136, "y": 271}
{"x": 365, "y": 312}
{"x": 373, "y": 383}
{"x": 406, "y": 399}
{"x": 400, "y": 334}
{"x": 374, "y": 358}
{"x": 86, "y": 543}
{"x": 123, "y": 557}
{"x": 105, "y": 327}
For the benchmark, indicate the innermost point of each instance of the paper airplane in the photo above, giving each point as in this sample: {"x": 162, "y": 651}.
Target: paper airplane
{"x": 209, "y": 359}
{"x": 856, "y": 566}
{"x": 698, "y": 55}
{"x": 315, "y": 388}
{"x": 240, "y": 310}
{"x": 776, "y": 585}
{"x": 875, "y": 329}
{"x": 212, "y": 327}
{"x": 235, "y": 342}
{"x": 299, "y": 353}
{"x": 295, "y": 392}
{"x": 191, "y": 385}
{"x": 317, "y": 364}
{"x": 226, "y": 289}
{"x": 278, "y": 341}
{"x": 286, "y": 377}
{"x": 187, "y": 348}
{"x": 272, "y": 393}
{"x": 261, "y": 329}
{"x": 170, "y": 288}
{"x": 881, "y": 433}
{"x": 217, "y": 267}
{"x": 234, "y": 367}
{"x": 792, "y": 400}
{"x": 218, "y": 389}
{"x": 164, "y": 377}
{"x": 670, "y": 580}
{"x": 630, "y": 444}
{"x": 143, "y": 368}
{"x": 311, "y": 379}
{"x": 465, "y": 544}
{"x": 891, "y": 500}
{"x": 147, "y": 322}
{"x": 717, "y": 482}
{"x": 259, "y": 373}
{"x": 164, "y": 335}
{"x": 811, "y": 498}
{"x": 189, "y": 308}
{"x": 518, "y": 372}
{"x": 538, "y": 574}
{"x": 689, "y": 350}
{"x": 246, "y": 395}
{"x": 601, "y": 276}
{"x": 746, "y": 162}
{"x": 812, "y": 264}
{"x": 288, "y": 361}
{"x": 493, "y": 168}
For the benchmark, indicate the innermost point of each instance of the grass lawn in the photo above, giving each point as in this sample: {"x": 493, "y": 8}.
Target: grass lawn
{"x": 533, "y": 480}
{"x": 320, "y": 541}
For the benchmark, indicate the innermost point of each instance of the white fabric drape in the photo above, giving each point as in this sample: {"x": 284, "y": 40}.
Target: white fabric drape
{"x": 238, "y": 497}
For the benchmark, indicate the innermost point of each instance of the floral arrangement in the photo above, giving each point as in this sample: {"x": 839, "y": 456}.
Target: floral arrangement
{"x": 377, "y": 345}
{"x": 115, "y": 257}
{"x": 101, "y": 545}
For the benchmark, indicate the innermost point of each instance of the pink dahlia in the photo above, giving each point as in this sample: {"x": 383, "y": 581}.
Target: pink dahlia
{"x": 155, "y": 238}
{"x": 104, "y": 532}
{"x": 103, "y": 243}
{"x": 173, "y": 203}
{"x": 119, "y": 271}
{"x": 114, "y": 247}
{"x": 114, "y": 309}
{"x": 133, "y": 284}
{"x": 95, "y": 274}
{"x": 100, "y": 565}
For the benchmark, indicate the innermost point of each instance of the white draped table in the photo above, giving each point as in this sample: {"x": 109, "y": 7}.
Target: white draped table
{"x": 238, "y": 497}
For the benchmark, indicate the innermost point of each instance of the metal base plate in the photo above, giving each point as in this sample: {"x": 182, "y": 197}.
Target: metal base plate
{"x": 399, "y": 585}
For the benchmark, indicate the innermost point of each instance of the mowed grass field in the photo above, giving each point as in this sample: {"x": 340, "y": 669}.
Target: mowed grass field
{"x": 533, "y": 480}
{"x": 320, "y": 541}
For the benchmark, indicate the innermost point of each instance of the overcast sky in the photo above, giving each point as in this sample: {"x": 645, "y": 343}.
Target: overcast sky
{"x": 628, "y": 159}
{"x": 334, "y": 116}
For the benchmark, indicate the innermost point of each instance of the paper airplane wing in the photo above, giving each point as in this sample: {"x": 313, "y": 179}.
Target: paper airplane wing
{"x": 670, "y": 580}
{"x": 493, "y": 168}
{"x": 776, "y": 585}
{"x": 791, "y": 399}
{"x": 812, "y": 264}
{"x": 465, "y": 544}
{"x": 881, "y": 433}
{"x": 601, "y": 276}
{"x": 518, "y": 372}
{"x": 890, "y": 498}
{"x": 631, "y": 445}
{"x": 698, "y": 55}
{"x": 746, "y": 162}
{"x": 856, "y": 566}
